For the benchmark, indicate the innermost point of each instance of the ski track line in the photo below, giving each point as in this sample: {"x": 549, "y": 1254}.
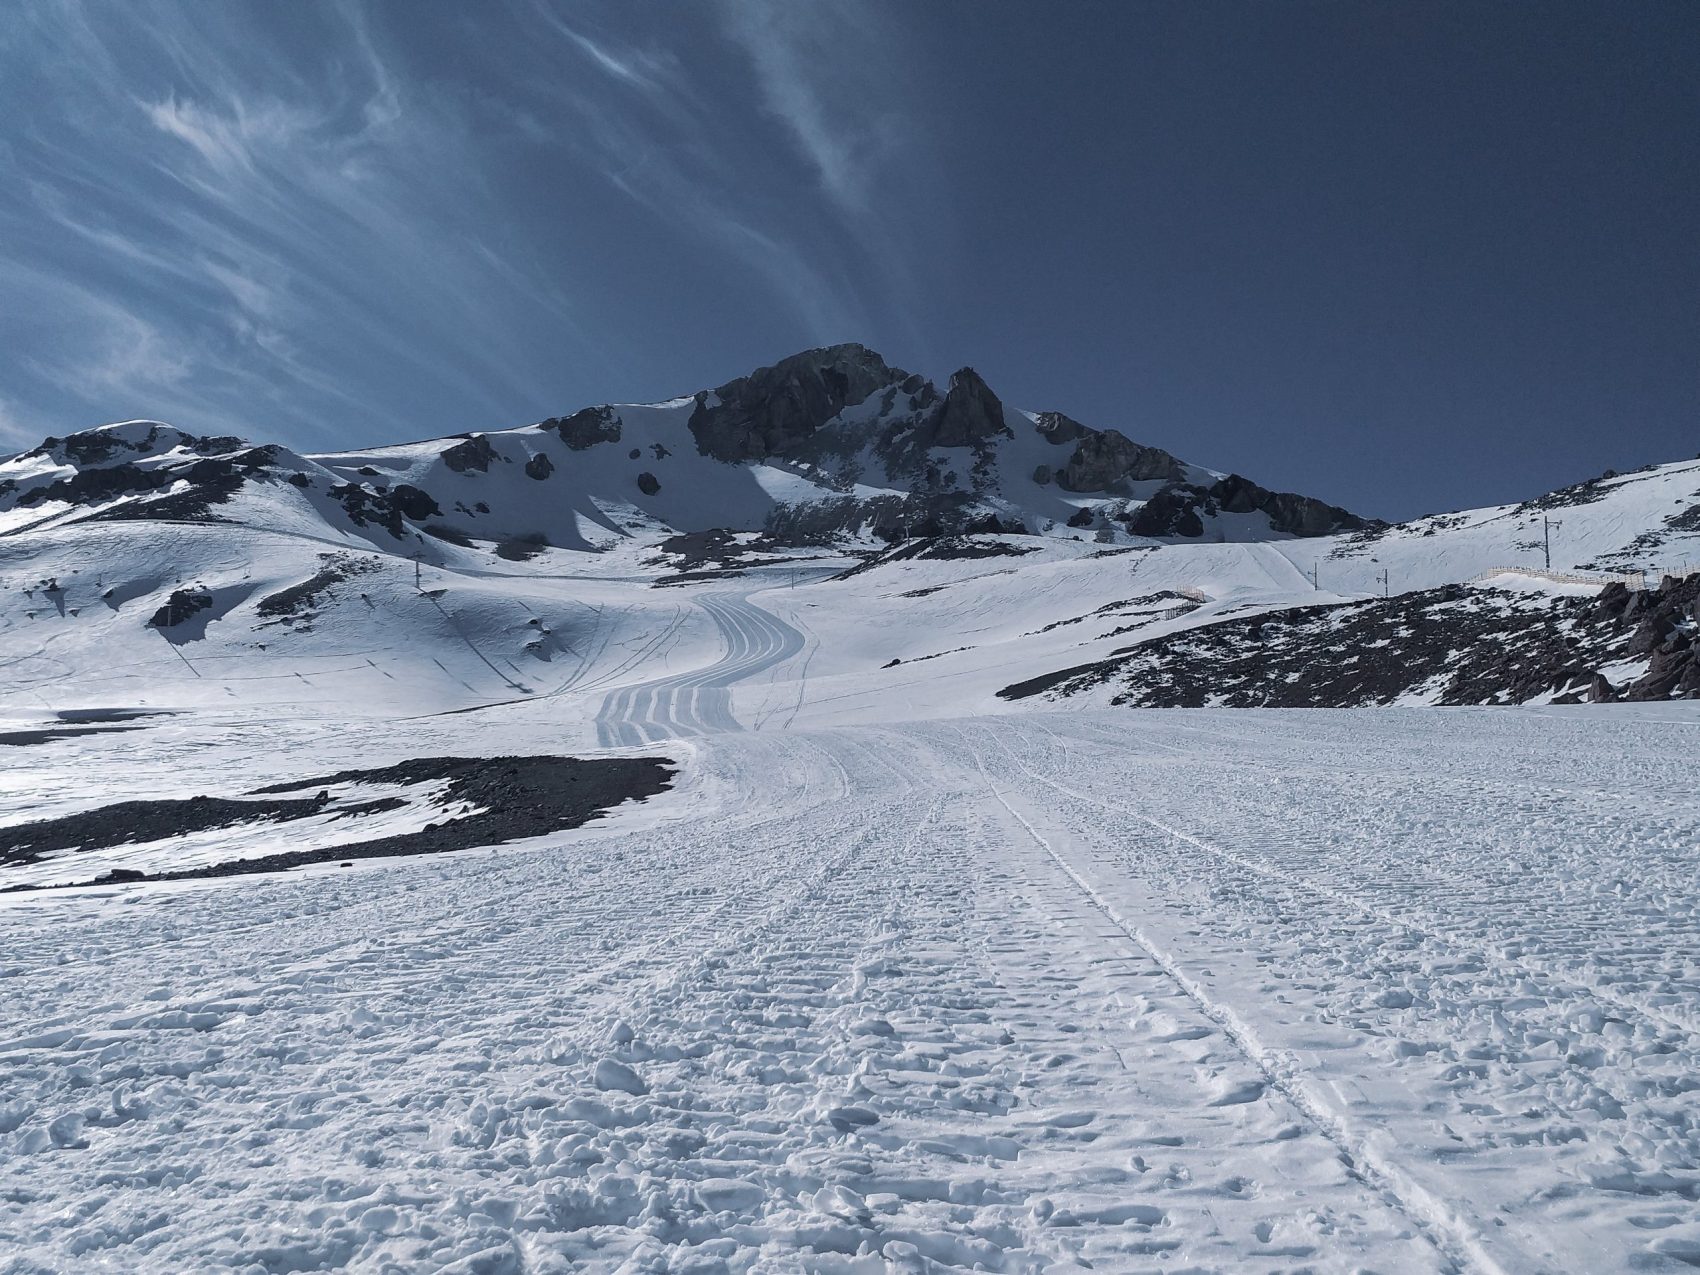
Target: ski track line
{"x": 698, "y": 701}
{"x": 572, "y": 683}
{"x": 1451, "y": 1235}
{"x": 1293, "y": 880}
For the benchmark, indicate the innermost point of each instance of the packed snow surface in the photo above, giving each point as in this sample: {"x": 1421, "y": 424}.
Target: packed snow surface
{"x": 878, "y": 986}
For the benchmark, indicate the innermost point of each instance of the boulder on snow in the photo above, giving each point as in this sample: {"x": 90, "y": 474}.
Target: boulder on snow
{"x": 473, "y": 452}
{"x": 586, "y": 428}
{"x": 182, "y": 604}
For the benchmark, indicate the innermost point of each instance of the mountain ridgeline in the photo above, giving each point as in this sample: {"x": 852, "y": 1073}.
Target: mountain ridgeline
{"x": 825, "y": 444}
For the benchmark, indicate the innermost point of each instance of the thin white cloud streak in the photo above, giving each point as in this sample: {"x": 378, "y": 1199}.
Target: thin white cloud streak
{"x": 788, "y": 45}
{"x": 237, "y": 237}
{"x": 685, "y": 175}
{"x": 16, "y": 434}
{"x": 834, "y": 78}
{"x": 292, "y": 217}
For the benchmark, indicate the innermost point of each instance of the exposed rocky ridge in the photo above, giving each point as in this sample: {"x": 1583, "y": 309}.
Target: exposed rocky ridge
{"x": 1451, "y": 646}
{"x": 774, "y": 409}
{"x": 1180, "y": 509}
{"x": 970, "y": 415}
{"x": 1104, "y": 459}
{"x": 868, "y": 448}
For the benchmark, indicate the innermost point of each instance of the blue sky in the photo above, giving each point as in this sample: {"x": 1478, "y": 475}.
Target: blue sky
{"x": 1406, "y": 257}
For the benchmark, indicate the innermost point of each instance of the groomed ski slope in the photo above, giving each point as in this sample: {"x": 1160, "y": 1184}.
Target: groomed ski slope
{"x": 1212, "y": 990}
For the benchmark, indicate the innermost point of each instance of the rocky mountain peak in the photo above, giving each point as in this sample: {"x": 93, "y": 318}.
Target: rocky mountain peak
{"x": 970, "y": 413}
{"x": 774, "y": 409}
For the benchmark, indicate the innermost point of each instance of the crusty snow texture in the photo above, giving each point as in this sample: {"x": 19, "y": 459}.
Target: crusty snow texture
{"x": 1401, "y": 991}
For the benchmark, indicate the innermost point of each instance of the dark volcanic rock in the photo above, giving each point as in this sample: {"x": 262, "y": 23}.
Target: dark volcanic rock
{"x": 1454, "y": 645}
{"x": 93, "y": 446}
{"x": 969, "y": 415}
{"x": 1059, "y": 429}
{"x": 1180, "y": 509}
{"x": 412, "y": 503}
{"x": 729, "y": 552}
{"x": 182, "y": 604}
{"x": 1287, "y": 511}
{"x": 1102, "y": 459}
{"x": 939, "y": 548}
{"x": 294, "y": 605}
{"x": 513, "y": 797}
{"x": 519, "y": 548}
{"x": 584, "y": 429}
{"x": 648, "y": 483}
{"x": 473, "y": 452}
{"x": 539, "y": 467}
{"x": 772, "y": 410}
{"x": 386, "y": 508}
{"x": 1173, "y": 511}
{"x": 213, "y": 482}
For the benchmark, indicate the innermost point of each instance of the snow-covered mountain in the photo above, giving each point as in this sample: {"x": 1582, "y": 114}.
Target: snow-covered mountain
{"x": 825, "y": 443}
{"x": 1010, "y": 551}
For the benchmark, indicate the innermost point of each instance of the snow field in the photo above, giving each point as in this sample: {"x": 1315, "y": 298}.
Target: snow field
{"x": 1010, "y": 993}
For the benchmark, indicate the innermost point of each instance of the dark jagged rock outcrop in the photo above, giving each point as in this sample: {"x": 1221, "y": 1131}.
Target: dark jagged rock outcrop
{"x": 92, "y": 447}
{"x": 1173, "y": 511}
{"x": 1103, "y": 459}
{"x": 386, "y": 508}
{"x": 521, "y": 547}
{"x": 1059, "y": 429}
{"x": 943, "y": 548}
{"x": 773, "y": 410}
{"x": 210, "y": 480}
{"x": 1455, "y": 644}
{"x": 472, "y": 453}
{"x": 294, "y": 606}
{"x": 969, "y": 415}
{"x": 902, "y": 456}
{"x": 584, "y": 429}
{"x": 97, "y": 446}
{"x": 1179, "y": 510}
{"x": 1287, "y": 511}
{"x": 1666, "y": 624}
{"x": 183, "y": 604}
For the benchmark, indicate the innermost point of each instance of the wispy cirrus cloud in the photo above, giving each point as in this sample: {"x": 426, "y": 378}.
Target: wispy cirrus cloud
{"x": 843, "y": 125}
{"x": 329, "y": 225}
{"x": 16, "y": 432}
{"x": 201, "y": 233}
